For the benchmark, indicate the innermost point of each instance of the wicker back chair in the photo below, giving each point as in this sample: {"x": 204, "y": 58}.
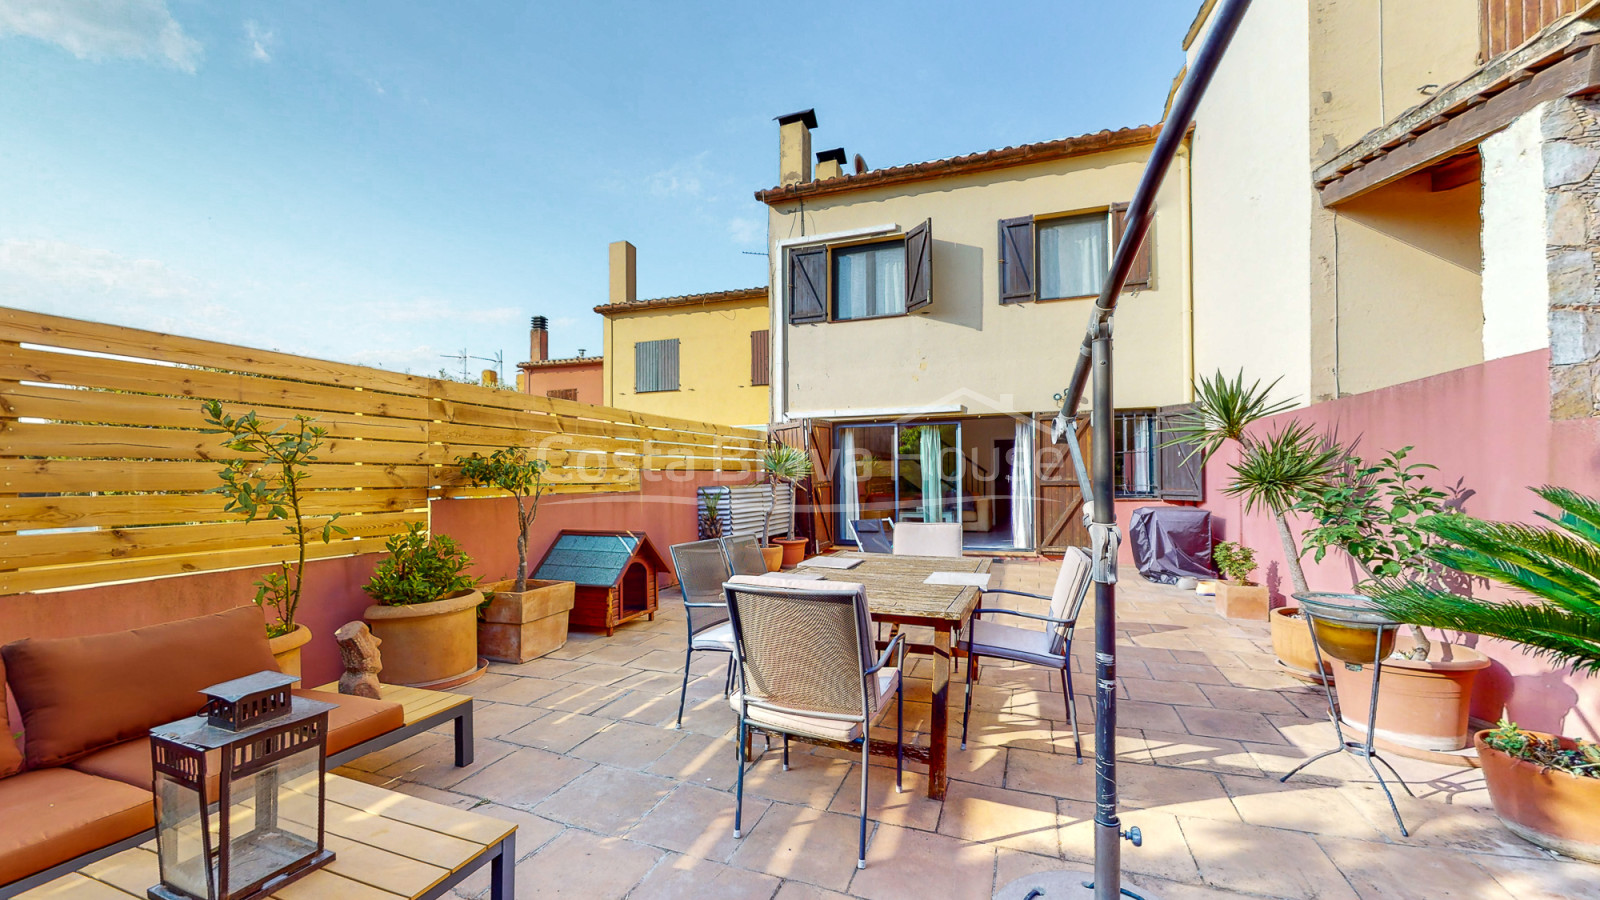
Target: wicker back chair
{"x": 807, "y": 669}
{"x": 744, "y": 555}
{"x": 874, "y": 535}
{"x": 702, "y": 569}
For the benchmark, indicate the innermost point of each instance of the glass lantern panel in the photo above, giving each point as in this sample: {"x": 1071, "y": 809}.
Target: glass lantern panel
{"x": 274, "y": 825}
{"x": 180, "y": 829}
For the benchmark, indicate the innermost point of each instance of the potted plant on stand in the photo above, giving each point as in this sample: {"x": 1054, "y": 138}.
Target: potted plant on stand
{"x": 426, "y": 612}
{"x": 787, "y": 464}
{"x": 520, "y": 620}
{"x": 1544, "y": 788}
{"x": 267, "y": 482}
{"x": 1238, "y": 597}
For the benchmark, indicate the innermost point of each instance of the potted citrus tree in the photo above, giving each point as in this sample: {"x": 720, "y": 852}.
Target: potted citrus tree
{"x": 426, "y": 611}
{"x": 522, "y": 618}
{"x": 1544, "y": 787}
{"x": 782, "y": 463}
{"x": 267, "y": 481}
{"x": 1237, "y": 596}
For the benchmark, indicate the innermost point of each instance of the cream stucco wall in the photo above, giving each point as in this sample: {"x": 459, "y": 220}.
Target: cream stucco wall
{"x": 713, "y": 362}
{"x": 967, "y": 349}
{"x": 1516, "y": 289}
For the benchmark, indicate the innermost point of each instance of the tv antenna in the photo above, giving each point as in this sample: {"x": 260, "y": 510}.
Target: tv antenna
{"x": 499, "y": 360}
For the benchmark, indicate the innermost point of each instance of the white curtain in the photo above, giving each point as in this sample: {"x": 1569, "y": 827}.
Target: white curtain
{"x": 932, "y": 484}
{"x": 1072, "y": 257}
{"x": 1022, "y": 486}
{"x": 849, "y": 483}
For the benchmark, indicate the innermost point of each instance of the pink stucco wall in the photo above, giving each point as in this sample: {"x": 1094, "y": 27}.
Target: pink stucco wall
{"x": 1488, "y": 430}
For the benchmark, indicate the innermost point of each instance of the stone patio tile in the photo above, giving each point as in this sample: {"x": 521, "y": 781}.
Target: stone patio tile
{"x": 811, "y": 780}
{"x": 1233, "y": 725}
{"x": 1011, "y": 865}
{"x": 558, "y": 732}
{"x": 1165, "y": 852}
{"x": 1151, "y": 716}
{"x": 433, "y": 794}
{"x": 661, "y": 661}
{"x": 689, "y": 878}
{"x": 1261, "y": 700}
{"x": 801, "y": 843}
{"x": 1267, "y": 680}
{"x": 1299, "y": 806}
{"x": 605, "y": 799}
{"x": 523, "y": 778}
{"x": 1277, "y": 760}
{"x": 910, "y": 808}
{"x": 532, "y": 833}
{"x": 494, "y": 678}
{"x": 796, "y": 890}
{"x": 580, "y": 698}
{"x": 598, "y": 673}
{"x": 1185, "y": 672}
{"x": 1174, "y": 791}
{"x": 613, "y": 654}
{"x": 377, "y": 761}
{"x": 1009, "y": 731}
{"x": 658, "y": 683}
{"x": 976, "y": 764}
{"x": 1265, "y": 861}
{"x": 1053, "y": 774}
{"x": 1191, "y": 751}
{"x": 1400, "y": 872}
{"x": 699, "y": 759}
{"x": 544, "y": 667}
{"x": 696, "y": 821}
{"x": 435, "y": 764}
{"x": 523, "y": 691}
{"x": 711, "y": 716}
{"x": 1002, "y": 817}
{"x": 1435, "y": 824}
{"x": 584, "y": 866}
{"x": 1162, "y": 691}
{"x": 627, "y": 745}
{"x": 491, "y": 720}
{"x": 1213, "y": 658}
{"x": 1543, "y": 879}
{"x": 907, "y": 864}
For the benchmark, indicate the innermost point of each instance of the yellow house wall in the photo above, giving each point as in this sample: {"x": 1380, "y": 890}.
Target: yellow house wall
{"x": 713, "y": 362}
{"x": 967, "y": 349}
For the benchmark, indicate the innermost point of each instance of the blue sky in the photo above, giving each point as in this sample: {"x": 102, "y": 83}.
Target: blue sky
{"x": 389, "y": 182}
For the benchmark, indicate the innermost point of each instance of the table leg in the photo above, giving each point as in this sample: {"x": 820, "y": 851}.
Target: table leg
{"x": 464, "y": 743}
{"x": 938, "y": 745}
{"x": 503, "y": 870}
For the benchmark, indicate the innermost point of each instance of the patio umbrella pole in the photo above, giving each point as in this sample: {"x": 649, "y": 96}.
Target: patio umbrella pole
{"x": 1095, "y": 357}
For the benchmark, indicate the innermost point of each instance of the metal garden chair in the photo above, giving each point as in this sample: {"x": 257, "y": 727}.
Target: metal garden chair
{"x": 1051, "y": 647}
{"x": 806, "y": 668}
{"x": 744, "y": 555}
{"x": 874, "y": 535}
{"x": 702, "y": 569}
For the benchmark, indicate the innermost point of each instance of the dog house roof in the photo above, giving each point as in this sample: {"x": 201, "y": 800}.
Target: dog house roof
{"x": 596, "y": 558}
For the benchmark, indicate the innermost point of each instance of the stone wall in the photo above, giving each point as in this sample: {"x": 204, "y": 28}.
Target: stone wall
{"x": 1570, "y": 130}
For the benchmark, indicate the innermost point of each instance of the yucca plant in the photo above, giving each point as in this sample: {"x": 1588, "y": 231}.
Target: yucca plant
{"x": 781, "y": 462}
{"x": 1222, "y": 411}
{"x": 1556, "y": 572}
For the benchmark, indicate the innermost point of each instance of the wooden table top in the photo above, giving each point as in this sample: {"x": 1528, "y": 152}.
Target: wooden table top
{"x": 895, "y": 585}
{"x": 386, "y": 845}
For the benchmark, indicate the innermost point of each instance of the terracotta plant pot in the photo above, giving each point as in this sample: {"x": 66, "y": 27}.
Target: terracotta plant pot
{"x": 521, "y": 626}
{"x": 1422, "y": 704}
{"x": 1242, "y": 601}
{"x": 794, "y": 550}
{"x": 774, "y": 556}
{"x": 428, "y": 645}
{"x": 286, "y": 649}
{"x": 1291, "y": 641}
{"x": 1557, "y": 810}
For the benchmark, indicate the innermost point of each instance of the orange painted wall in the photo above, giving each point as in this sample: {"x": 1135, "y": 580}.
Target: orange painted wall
{"x": 587, "y": 378}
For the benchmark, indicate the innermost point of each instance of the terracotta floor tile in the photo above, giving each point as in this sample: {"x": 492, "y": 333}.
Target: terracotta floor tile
{"x": 997, "y": 816}
{"x": 523, "y": 778}
{"x": 904, "y": 864}
{"x": 558, "y": 732}
{"x": 801, "y": 843}
{"x": 584, "y": 866}
{"x": 605, "y": 799}
{"x": 696, "y": 821}
{"x": 627, "y": 745}
{"x": 1174, "y": 791}
{"x": 689, "y": 878}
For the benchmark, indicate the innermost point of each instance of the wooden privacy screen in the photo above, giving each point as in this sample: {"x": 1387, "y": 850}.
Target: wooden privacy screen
{"x": 105, "y": 464}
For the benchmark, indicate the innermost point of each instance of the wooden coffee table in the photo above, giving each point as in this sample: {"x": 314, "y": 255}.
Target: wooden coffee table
{"x": 387, "y": 845}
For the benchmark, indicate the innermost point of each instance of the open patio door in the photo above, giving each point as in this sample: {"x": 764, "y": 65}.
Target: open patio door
{"x": 814, "y": 512}
{"x": 1058, "y": 497}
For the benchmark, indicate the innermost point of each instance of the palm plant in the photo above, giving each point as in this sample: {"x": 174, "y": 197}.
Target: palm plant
{"x": 1556, "y": 570}
{"x": 1222, "y": 411}
{"x": 781, "y": 462}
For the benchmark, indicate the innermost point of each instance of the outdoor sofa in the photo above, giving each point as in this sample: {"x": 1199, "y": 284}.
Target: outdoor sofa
{"x": 77, "y": 786}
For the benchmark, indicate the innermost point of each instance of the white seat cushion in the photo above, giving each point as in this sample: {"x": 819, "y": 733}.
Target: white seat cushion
{"x": 987, "y": 638}
{"x": 887, "y": 680}
{"x": 717, "y": 637}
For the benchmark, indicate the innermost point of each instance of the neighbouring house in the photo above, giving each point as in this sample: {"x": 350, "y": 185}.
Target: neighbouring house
{"x": 925, "y": 316}
{"x": 578, "y": 378}
{"x": 701, "y": 356}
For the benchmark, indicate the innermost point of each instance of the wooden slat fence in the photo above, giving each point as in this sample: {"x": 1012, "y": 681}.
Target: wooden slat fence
{"x": 104, "y": 465}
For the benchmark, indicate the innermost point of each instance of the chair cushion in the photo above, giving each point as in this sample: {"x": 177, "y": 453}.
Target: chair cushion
{"x": 927, "y": 539}
{"x": 83, "y": 693}
{"x": 356, "y": 720}
{"x": 129, "y": 763}
{"x": 10, "y": 753}
{"x": 717, "y": 637}
{"x": 886, "y": 681}
{"x": 53, "y": 815}
{"x": 1025, "y": 645}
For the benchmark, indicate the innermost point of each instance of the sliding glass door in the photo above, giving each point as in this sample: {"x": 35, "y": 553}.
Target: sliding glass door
{"x": 908, "y": 473}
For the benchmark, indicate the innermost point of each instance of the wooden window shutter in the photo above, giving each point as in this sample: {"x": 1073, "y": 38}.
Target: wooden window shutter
{"x": 1139, "y": 273}
{"x": 1180, "y": 468}
{"x": 562, "y": 394}
{"x": 1016, "y": 260}
{"x": 760, "y": 362}
{"x": 919, "y": 266}
{"x": 808, "y": 285}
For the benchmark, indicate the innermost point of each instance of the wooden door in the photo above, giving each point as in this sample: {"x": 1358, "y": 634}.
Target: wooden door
{"x": 1058, "y": 498}
{"x": 814, "y": 512}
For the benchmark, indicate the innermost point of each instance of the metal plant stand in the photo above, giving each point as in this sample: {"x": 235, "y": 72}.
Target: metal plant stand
{"x": 1350, "y": 622}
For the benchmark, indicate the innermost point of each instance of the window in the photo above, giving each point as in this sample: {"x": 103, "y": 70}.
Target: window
{"x": 1072, "y": 256}
{"x": 760, "y": 361}
{"x": 1067, "y": 256}
{"x": 1150, "y": 462}
{"x": 655, "y": 366}
{"x": 562, "y": 394}
{"x": 861, "y": 281}
{"x": 869, "y": 281}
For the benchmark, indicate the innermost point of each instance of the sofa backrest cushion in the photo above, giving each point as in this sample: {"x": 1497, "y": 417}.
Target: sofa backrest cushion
{"x": 83, "y": 693}
{"x": 10, "y": 753}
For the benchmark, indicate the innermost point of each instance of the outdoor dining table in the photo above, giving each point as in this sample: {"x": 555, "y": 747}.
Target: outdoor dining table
{"x": 897, "y": 593}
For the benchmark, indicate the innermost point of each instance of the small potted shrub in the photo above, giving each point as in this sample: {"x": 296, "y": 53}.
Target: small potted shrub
{"x": 521, "y": 619}
{"x": 426, "y": 611}
{"x": 1237, "y": 596}
{"x": 787, "y": 464}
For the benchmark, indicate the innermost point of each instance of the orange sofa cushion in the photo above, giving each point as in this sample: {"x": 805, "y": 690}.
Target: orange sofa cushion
{"x": 10, "y": 753}
{"x": 53, "y": 815}
{"x": 83, "y": 693}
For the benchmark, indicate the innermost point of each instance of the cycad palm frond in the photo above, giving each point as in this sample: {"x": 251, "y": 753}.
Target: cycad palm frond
{"x": 1273, "y": 472}
{"x": 1564, "y": 637}
{"x": 1540, "y": 561}
{"x": 1579, "y": 514}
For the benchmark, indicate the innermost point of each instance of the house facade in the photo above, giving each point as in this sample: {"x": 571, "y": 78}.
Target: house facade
{"x": 579, "y": 378}
{"x": 924, "y": 317}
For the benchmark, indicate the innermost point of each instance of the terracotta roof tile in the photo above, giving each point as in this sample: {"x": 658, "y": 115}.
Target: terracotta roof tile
{"x": 741, "y": 294}
{"x": 568, "y": 361}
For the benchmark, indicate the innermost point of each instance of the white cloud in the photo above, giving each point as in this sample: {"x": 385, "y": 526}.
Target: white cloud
{"x": 745, "y": 230}
{"x": 684, "y": 179}
{"x": 77, "y": 268}
{"x": 260, "y": 41}
{"x": 104, "y": 29}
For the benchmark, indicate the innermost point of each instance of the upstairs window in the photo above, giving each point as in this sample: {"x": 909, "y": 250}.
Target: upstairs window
{"x": 869, "y": 281}
{"x": 655, "y": 366}
{"x": 1151, "y": 461}
{"x": 861, "y": 281}
{"x": 1072, "y": 256}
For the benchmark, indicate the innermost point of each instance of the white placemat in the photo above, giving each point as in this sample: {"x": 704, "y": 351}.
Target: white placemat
{"x": 831, "y": 562}
{"x": 978, "y": 580}
{"x": 799, "y": 576}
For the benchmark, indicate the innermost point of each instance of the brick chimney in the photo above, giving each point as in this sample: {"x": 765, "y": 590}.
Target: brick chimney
{"x": 794, "y": 146}
{"x": 830, "y": 163}
{"x": 539, "y": 339}
{"x": 624, "y": 272}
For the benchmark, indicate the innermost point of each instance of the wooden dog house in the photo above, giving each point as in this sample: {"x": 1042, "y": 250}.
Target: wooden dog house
{"x": 615, "y": 573}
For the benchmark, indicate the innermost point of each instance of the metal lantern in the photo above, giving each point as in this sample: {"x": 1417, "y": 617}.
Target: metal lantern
{"x": 265, "y": 750}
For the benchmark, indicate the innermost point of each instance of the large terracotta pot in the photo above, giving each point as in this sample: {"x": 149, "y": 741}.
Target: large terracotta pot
{"x": 794, "y": 550}
{"x": 1421, "y": 703}
{"x": 428, "y": 645}
{"x": 774, "y": 558}
{"x": 286, "y": 649}
{"x": 1556, "y": 810}
{"x": 521, "y": 626}
{"x": 1291, "y": 641}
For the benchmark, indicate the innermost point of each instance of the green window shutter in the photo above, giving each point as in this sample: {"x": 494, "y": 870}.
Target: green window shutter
{"x": 1016, "y": 260}
{"x": 808, "y": 285}
{"x": 655, "y": 366}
